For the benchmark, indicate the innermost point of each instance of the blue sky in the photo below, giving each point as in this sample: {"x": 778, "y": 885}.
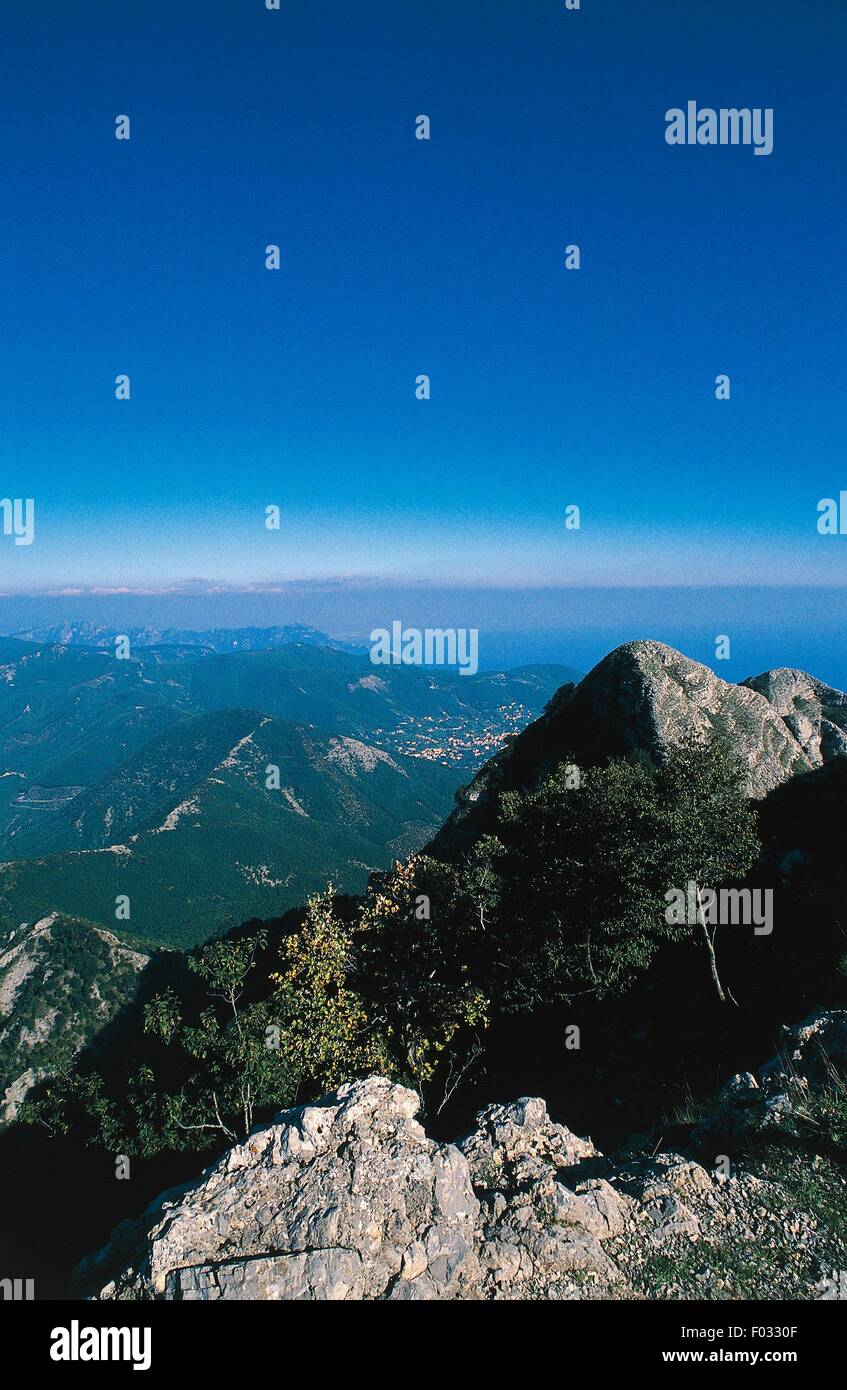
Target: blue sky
{"x": 296, "y": 388}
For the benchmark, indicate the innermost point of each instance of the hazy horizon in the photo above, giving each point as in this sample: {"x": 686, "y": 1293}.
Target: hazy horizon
{"x": 576, "y": 625}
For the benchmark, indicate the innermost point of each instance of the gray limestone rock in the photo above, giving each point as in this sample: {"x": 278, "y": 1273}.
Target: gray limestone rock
{"x": 348, "y": 1199}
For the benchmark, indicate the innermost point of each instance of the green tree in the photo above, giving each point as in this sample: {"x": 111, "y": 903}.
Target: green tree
{"x": 578, "y": 911}
{"x": 323, "y": 1027}
{"x": 710, "y": 831}
{"x": 231, "y": 1069}
{"x": 583, "y": 866}
{"x": 418, "y": 935}
{"x": 218, "y": 1067}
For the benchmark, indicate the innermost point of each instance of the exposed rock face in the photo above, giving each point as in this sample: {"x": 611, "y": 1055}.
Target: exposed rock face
{"x": 811, "y": 1054}
{"x": 647, "y": 696}
{"x": 810, "y": 1051}
{"x": 42, "y": 967}
{"x": 348, "y": 1199}
{"x": 542, "y": 1214}
{"x": 815, "y": 713}
{"x": 343, "y": 1199}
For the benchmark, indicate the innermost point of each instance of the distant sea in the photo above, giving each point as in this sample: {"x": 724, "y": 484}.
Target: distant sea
{"x": 802, "y": 628}
{"x": 752, "y": 651}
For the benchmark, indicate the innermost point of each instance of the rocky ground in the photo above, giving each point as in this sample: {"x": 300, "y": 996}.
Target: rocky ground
{"x": 347, "y": 1198}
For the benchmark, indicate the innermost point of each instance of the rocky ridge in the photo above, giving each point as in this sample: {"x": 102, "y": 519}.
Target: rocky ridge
{"x": 347, "y": 1198}
{"x": 61, "y": 981}
{"x": 815, "y": 713}
{"x": 645, "y": 696}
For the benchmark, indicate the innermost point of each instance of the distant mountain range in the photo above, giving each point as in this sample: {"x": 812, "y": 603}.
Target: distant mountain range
{"x": 145, "y": 777}
{"x": 218, "y": 639}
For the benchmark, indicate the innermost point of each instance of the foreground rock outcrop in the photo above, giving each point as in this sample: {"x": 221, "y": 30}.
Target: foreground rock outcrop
{"x": 347, "y": 1198}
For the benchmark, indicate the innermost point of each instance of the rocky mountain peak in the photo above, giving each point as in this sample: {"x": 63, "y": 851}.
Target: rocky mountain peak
{"x": 647, "y": 696}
